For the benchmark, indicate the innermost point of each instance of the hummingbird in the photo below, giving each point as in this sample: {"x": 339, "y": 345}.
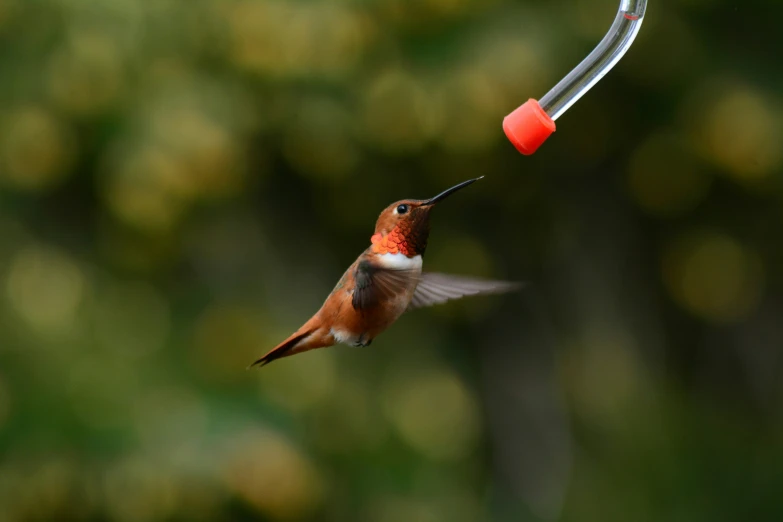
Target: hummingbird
{"x": 384, "y": 282}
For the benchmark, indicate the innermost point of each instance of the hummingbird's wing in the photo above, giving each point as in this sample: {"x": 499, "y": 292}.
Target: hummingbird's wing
{"x": 375, "y": 283}
{"x": 438, "y": 288}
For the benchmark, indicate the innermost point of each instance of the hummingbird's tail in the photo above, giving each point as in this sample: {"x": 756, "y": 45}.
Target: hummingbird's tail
{"x": 309, "y": 337}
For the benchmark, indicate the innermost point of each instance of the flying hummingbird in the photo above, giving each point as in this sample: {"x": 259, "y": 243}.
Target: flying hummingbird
{"x": 384, "y": 282}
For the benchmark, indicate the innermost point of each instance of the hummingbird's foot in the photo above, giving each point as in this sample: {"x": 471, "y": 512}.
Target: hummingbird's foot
{"x": 362, "y": 341}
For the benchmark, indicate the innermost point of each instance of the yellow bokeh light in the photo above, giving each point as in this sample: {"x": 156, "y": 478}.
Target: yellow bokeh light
{"x": 400, "y": 115}
{"x": 46, "y": 288}
{"x": 449, "y": 7}
{"x": 6, "y": 9}
{"x": 604, "y": 371}
{"x": 502, "y": 44}
{"x": 454, "y": 504}
{"x": 180, "y": 153}
{"x": 36, "y": 149}
{"x": 741, "y": 131}
{"x": 433, "y": 412}
{"x": 395, "y": 508}
{"x": 35, "y": 488}
{"x": 54, "y": 484}
{"x": 207, "y": 153}
{"x": 272, "y": 475}
{"x": 422, "y": 14}
{"x": 86, "y": 76}
{"x": 137, "y": 489}
{"x": 286, "y": 39}
{"x": 470, "y": 102}
{"x": 714, "y": 276}
{"x": 139, "y": 190}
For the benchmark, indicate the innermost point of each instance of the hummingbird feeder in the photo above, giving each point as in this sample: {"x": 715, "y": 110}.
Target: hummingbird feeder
{"x": 533, "y": 122}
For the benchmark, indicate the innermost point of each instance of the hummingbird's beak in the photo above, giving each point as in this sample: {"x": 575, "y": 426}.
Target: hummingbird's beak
{"x": 446, "y": 193}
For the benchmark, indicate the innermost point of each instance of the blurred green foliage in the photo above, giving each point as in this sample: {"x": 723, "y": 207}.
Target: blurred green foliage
{"x": 182, "y": 183}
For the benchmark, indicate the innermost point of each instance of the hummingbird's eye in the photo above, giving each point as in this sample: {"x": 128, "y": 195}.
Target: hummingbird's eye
{"x": 402, "y": 209}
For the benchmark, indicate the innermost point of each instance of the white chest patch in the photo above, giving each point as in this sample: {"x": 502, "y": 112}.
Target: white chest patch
{"x": 342, "y": 336}
{"x": 400, "y": 261}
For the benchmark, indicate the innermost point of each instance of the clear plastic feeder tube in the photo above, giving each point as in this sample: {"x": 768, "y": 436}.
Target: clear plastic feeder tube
{"x": 599, "y": 62}
{"x": 533, "y": 122}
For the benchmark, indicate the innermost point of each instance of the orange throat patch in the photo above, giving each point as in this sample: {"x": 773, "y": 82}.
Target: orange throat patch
{"x": 392, "y": 243}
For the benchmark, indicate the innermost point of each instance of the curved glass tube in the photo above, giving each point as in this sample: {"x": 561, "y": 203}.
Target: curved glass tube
{"x": 599, "y": 62}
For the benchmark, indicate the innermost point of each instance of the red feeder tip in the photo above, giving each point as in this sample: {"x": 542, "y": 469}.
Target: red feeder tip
{"x": 528, "y": 127}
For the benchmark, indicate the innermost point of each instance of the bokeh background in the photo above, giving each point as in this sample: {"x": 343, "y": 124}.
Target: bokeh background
{"x": 183, "y": 182}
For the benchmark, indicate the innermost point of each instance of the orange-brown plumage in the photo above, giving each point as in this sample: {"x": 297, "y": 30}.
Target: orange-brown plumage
{"x": 384, "y": 282}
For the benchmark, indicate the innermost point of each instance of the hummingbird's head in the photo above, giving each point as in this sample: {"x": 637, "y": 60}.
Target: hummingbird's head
{"x": 404, "y": 226}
